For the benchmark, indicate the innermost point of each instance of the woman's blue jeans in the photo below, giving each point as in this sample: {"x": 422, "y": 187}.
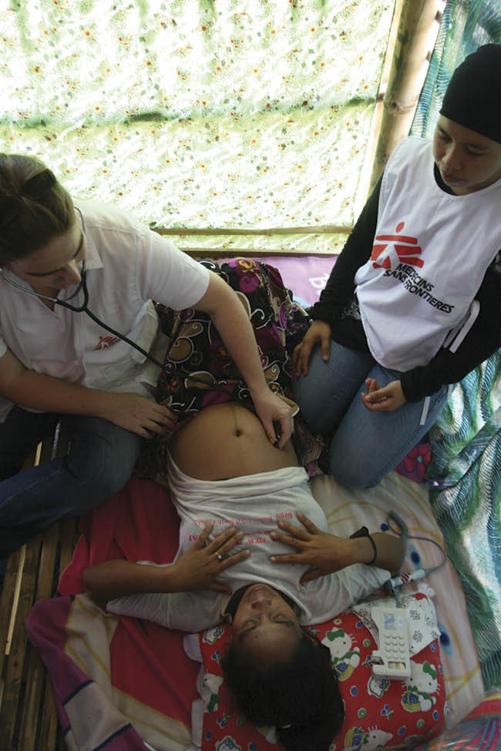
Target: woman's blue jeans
{"x": 100, "y": 460}
{"x": 365, "y": 445}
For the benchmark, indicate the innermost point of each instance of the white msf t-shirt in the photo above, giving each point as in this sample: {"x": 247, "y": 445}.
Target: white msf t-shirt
{"x": 254, "y": 504}
{"x": 128, "y": 266}
{"x": 430, "y": 254}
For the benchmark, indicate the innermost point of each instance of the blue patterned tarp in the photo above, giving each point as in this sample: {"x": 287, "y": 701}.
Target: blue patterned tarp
{"x": 466, "y": 499}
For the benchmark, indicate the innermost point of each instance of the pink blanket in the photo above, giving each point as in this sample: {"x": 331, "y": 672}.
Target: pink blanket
{"x": 113, "y": 676}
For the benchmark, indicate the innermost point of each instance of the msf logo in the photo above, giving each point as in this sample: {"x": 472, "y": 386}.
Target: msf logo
{"x": 390, "y": 250}
{"x": 105, "y": 342}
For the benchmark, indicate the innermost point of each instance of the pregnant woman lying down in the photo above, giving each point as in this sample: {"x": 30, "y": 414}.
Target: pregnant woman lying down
{"x": 243, "y": 505}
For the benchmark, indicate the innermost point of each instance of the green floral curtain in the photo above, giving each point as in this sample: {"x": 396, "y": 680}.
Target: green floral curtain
{"x": 244, "y": 114}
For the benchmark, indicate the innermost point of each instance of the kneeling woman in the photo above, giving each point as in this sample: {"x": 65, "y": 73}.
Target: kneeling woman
{"x": 243, "y": 504}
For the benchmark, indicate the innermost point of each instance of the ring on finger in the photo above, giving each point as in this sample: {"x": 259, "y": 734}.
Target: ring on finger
{"x": 220, "y": 556}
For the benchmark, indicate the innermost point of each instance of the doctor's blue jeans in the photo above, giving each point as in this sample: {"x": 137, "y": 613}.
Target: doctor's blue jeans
{"x": 364, "y": 445}
{"x": 100, "y": 460}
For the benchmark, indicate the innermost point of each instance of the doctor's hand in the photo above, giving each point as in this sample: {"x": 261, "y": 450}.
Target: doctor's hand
{"x": 270, "y": 409}
{"x": 199, "y": 567}
{"x": 322, "y": 551}
{"x": 136, "y": 414}
{"x": 319, "y": 334}
{"x": 385, "y": 399}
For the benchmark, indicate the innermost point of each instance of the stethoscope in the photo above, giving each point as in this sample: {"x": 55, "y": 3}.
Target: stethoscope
{"x": 169, "y": 368}
{"x": 82, "y": 308}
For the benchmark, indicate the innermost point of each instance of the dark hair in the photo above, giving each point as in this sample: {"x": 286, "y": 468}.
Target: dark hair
{"x": 300, "y": 696}
{"x": 34, "y": 207}
{"x": 473, "y": 96}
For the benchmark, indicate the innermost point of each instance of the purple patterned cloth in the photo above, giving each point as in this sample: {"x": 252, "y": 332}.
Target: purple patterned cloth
{"x": 198, "y": 370}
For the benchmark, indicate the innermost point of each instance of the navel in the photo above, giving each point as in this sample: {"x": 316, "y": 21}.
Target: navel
{"x": 237, "y": 430}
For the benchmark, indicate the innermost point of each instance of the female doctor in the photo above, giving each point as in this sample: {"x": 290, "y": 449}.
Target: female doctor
{"x": 57, "y": 362}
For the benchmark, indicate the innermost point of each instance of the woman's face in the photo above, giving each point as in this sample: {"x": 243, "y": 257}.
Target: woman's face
{"x": 467, "y": 160}
{"x": 265, "y": 623}
{"x": 56, "y": 265}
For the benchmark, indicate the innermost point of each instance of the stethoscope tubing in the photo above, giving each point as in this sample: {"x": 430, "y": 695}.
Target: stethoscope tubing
{"x": 84, "y": 308}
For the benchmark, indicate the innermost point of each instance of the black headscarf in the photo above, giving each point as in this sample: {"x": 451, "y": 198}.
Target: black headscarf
{"x": 473, "y": 97}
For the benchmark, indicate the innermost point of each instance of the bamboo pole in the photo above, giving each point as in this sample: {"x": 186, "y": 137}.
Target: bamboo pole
{"x": 331, "y": 229}
{"x": 417, "y": 32}
{"x": 364, "y": 183}
{"x": 214, "y": 250}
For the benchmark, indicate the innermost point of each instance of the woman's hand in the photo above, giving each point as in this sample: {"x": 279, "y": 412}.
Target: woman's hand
{"x": 385, "y": 399}
{"x": 319, "y": 333}
{"x": 136, "y": 414}
{"x": 270, "y": 409}
{"x": 321, "y": 551}
{"x": 47, "y": 394}
{"x": 199, "y": 567}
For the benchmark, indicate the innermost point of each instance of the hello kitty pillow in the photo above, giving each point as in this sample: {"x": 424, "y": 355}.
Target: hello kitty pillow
{"x": 379, "y": 713}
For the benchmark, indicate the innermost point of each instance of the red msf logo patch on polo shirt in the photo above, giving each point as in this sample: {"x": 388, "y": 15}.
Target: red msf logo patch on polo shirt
{"x": 390, "y": 250}
{"x": 105, "y": 342}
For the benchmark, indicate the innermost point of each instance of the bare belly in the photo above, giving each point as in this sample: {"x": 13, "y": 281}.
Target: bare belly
{"x": 227, "y": 440}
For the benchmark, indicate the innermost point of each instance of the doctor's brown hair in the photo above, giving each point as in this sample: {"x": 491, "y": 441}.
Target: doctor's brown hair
{"x": 34, "y": 207}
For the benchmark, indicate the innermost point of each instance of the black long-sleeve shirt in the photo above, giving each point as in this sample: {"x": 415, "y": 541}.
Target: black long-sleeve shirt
{"x": 483, "y": 339}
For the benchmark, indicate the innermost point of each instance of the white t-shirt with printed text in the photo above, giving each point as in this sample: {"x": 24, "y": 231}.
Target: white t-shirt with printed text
{"x": 254, "y": 504}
